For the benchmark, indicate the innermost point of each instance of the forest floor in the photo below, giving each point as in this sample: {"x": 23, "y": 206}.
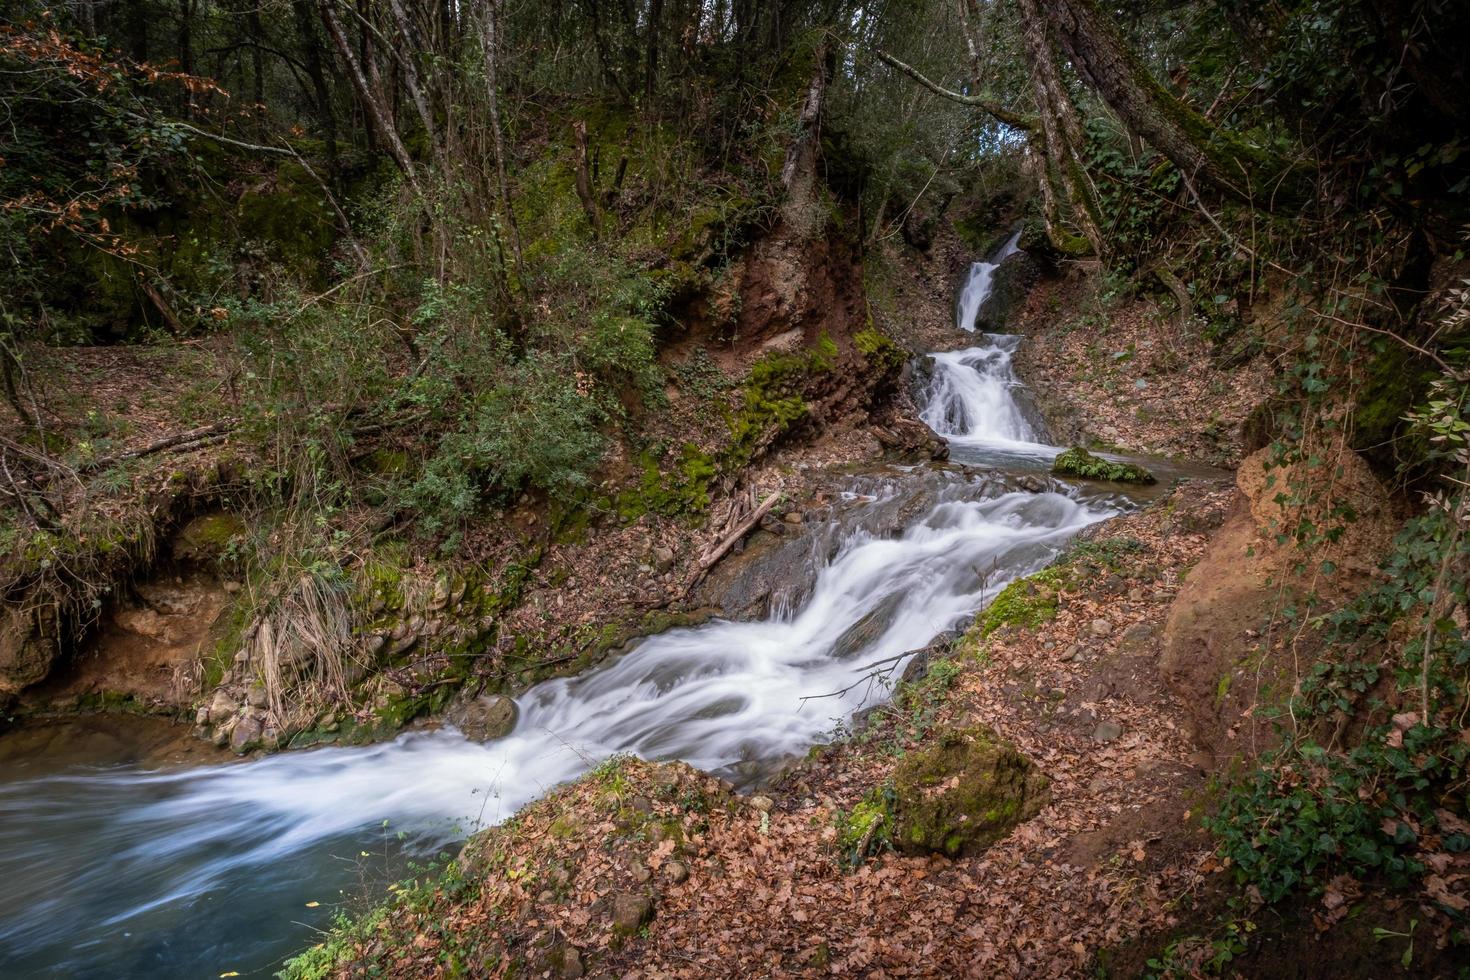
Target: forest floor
{"x": 1128, "y": 376}
{"x": 654, "y": 871}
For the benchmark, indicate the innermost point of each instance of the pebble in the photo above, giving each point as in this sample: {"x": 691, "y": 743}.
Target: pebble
{"x": 1106, "y": 731}
{"x": 1101, "y": 627}
{"x": 762, "y": 803}
{"x": 1070, "y": 653}
{"x": 794, "y": 517}
{"x": 676, "y": 871}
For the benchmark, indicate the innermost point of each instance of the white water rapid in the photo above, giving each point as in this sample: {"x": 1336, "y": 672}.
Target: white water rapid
{"x": 117, "y": 871}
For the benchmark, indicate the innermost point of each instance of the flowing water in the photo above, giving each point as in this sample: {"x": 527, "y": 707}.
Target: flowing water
{"x": 128, "y": 870}
{"x": 976, "y": 289}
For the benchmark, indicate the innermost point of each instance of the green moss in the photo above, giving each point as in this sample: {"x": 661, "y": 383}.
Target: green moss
{"x": 1079, "y": 462}
{"x": 773, "y": 400}
{"x": 975, "y": 231}
{"x": 388, "y": 462}
{"x": 684, "y": 490}
{"x": 868, "y": 828}
{"x": 208, "y": 537}
{"x": 1027, "y": 602}
{"x": 880, "y": 351}
{"x": 1393, "y": 383}
{"x": 965, "y": 790}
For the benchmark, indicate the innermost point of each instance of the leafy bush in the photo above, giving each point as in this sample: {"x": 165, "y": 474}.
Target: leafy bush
{"x": 1394, "y": 795}
{"x": 535, "y": 428}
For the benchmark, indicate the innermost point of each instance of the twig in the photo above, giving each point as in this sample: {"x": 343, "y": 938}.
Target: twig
{"x": 708, "y": 562}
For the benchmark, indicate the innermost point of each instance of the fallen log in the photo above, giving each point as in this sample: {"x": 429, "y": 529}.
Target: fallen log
{"x": 728, "y": 541}
{"x": 202, "y": 435}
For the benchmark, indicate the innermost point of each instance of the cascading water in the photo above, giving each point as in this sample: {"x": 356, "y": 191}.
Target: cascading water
{"x": 972, "y": 398}
{"x": 976, "y": 289}
{"x": 196, "y": 872}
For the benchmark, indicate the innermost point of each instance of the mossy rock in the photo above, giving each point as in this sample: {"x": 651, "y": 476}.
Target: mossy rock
{"x": 1027, "y": 602}
{"x": 964, "y": 792}
{"x": 207, "y": 537}
{"x": 1079, "y": 462}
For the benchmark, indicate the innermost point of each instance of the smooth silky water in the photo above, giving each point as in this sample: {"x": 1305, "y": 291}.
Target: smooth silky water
{"x": 126, "y": 868}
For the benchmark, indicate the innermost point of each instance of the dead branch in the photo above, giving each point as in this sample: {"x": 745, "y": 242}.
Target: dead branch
{"x": 192, "y": 438}
{"x": 728, "y": 542}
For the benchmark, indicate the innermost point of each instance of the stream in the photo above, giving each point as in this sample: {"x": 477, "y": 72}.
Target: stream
{"x": 117, "y": 862}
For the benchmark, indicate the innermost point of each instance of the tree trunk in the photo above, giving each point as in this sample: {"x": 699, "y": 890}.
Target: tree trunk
{"x": 186, "y": 39}
{"x": 490, "y": 43}
{"x": 311, "y": 59}
{"x": 650, "y": 71}
{"x": 1061, "y": 138}
{"x": 411, "y": 78}
{"x": 584, "y": 179}
{"x": 372, "y": 105}
{"x": 1195, "y": 145}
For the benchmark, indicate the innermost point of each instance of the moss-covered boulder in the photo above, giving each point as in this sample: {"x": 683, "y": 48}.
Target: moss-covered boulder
{"x": 207, "y": 537}
{"x": 963, "y": 792}
{"x": 1079, "y": 462}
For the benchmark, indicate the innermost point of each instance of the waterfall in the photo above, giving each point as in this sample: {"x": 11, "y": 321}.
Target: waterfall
{"x": 195, "y": 872}
{"x": 974, "y": 399}
{"x": 978, "y": 283}
{"x": 972, "y": 396}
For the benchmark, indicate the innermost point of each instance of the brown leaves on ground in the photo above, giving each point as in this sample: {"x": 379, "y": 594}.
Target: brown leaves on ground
{"x": 1134, "y": 378}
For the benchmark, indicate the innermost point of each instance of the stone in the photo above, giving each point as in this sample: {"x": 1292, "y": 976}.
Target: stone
{"x": 482, "y": 718}
{"x": 762, "y": 803}
{"x": 256, "y": 695}
{"x": 221, "y": 708}
{"x": 1070, "y": 653}
{"x": 1106, "y": 731}
{"x": 793, "y": 517}
{"x": 246, "y": 733}
{"x": 639, "y": 871}
{"x": 630, "y": 913}
{"x": 867, "y": 630}
{"x": 1078, "y": 462}
{"x": 663, "y": 558}
{"x": 963, "y": 792}
{"x": 1100, "y": 628}
{"x": 1138, "y": 638}
{"x": 571, "y": 962}
{"x": 677, "y": 872}
{"x": 28, "y": 648}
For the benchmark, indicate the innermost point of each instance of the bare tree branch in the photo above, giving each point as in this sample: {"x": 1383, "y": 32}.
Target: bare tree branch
{"x": 1013, "y": 119}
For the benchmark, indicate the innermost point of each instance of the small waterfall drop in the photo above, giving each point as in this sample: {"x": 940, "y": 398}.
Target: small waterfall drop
{"x": 972, "y": 396}
{"x": 978, "y": 284}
